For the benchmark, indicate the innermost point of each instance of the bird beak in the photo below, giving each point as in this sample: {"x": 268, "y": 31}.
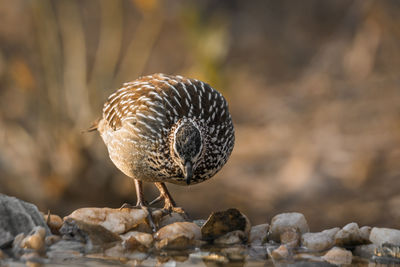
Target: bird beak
{"x": 188, "y": 172}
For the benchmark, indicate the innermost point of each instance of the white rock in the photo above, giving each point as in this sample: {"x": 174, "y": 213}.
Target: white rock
{"x": 133, "y": 239}
{"x": 115, "y": 220}
{"x": 231, "y": 238}
{"x": 259, "y": 234}
{"x": 319, "y": 241}
{"x": 338, "y": 256}
{"x": 281, "y": 222}
{"x": 380, "y": 236}
{"x": 178, "y": 235}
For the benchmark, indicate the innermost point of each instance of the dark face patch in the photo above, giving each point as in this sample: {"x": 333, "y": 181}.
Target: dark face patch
{"x": 188, "y": 142}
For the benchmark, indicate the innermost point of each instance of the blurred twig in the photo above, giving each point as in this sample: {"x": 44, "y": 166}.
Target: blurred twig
{"x": 139, "y": 49}
{"x": 108, "y": 50}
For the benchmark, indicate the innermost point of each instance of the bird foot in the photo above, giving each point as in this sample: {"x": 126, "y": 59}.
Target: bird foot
{"x": 145, "y": 208}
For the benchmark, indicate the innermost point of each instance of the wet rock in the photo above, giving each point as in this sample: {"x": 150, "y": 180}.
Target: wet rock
{"x": 137, "y": 240}
{"x": 231, "y": 238}
{"x": 51, "y": 239}
{"x": 35, "y": 240}
{"x": 235, "y": 253}
{"x": 281, "y": 252}
{"x": 281, "y": 222}
{"x": 319, "y": 241}
{"x": 365, "y": 251}
{"x": 119, "y": 252}
{"x": 118, "y": 221}
{"x": 338, "y": 256}
{"x": 389, "y": 252}
{"x": 290, "y": 237}
{"x": 349, "y": 235}
{"x": 90, "y": 234}
{"x": 178, "y": 235}
{"x": 259, "y": 234}
{"x": 17, "y": 216}
{"x": 222, "y": 222}
{"x": 54, "y": 222}
{"x": 379, "y": 236}
{"x": 66, "y": 249}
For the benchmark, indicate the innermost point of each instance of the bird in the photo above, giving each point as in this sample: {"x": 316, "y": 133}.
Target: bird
{"x": 166, "y": 129}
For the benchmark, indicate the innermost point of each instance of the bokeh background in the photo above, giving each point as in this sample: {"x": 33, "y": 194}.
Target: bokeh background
{"x": 313, "y": 87}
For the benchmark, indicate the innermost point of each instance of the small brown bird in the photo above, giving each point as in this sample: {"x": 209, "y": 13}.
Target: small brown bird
{"x": 161, "y": 128}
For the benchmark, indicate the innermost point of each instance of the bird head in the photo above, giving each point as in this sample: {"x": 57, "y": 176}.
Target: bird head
{"x": 187, "y": 147}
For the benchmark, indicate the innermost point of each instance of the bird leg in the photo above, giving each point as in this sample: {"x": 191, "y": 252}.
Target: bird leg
{"x": 141, "y": 203}
{"x": 169, "y": 203}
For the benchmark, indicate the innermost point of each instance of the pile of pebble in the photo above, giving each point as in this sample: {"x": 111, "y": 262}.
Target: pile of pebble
{"x": 123, "y": 235}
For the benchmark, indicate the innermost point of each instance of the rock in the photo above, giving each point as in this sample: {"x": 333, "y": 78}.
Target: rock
{"x": 172, "y": 218}
{"x": 6, "y": 239}
{"x": 91, "y": 234}
{"x": 66, "y": 249}
{"x": 281, "y": 252}
{"x": 379, "y": 236}
{"x": 365, "y": 251}
{"x": 35, "y": 240}
{"x": 365, "y": 231}
{"x": 2, "y": 255}
{"x": 51, "y": 239}
{"x": 281, "y": 222}
{"x": 231, "y": 238}
{"x": 338, "y": 256}
{"x": 118, "y": 221}
{"x": 290, "y": 237}
{"x": 349, "y": 235}
{"x": 137, "y": 240}
{"x": 178, "y": 235}
{"x": 259, "y": 234}
{"x": 222, "y": 222}
{"x": 17, "y": 216}
{"x": 54, "y": 222}
{"x": 319, "y": 241}
{"x": 391, "y": 253}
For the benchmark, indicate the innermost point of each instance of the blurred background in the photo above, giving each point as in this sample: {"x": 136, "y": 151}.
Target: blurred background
{"x": 313, "y": 88}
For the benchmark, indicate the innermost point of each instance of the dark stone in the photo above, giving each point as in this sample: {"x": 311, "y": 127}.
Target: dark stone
{"x": 222, "y": 222}
{"x": 91, "y": 234}
{"x": 17, "y": 216}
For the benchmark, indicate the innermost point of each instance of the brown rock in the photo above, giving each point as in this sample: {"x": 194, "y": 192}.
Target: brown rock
{"x": 338, "y": 256}
{"x": 35, "y": 239}
{"x": 118, "y": 221}
{"x": 222, "y": 222}
{"x": 54, "y": 222}
{"x": 290, "y": 237}
{"x": 137, "y": 240}
{"x": 178, "y": 235}
{"x": 88, "y": 233}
